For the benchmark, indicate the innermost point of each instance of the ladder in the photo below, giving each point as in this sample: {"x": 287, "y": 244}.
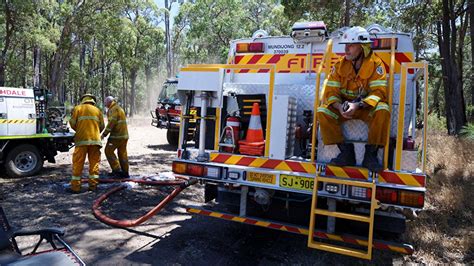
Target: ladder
{"x": 374, "y": 204}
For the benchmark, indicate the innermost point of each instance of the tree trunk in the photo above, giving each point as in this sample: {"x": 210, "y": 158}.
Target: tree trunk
{"x": 453, "y": 93}
{"x": 436, "y": 107}
{"x": 133, "y": 78}
{"x": 168, "y": 39}
{"x": 347, "y": 14}
{"x": 9, "y": 28}
{"x": 149, "y": 89}
{"x": 124, "y": 89}
{"x": 82, "y": 61}
{"x": 36, "y": 67}
{"x": 471, "y": 19}
{"x": 102, "y": 71}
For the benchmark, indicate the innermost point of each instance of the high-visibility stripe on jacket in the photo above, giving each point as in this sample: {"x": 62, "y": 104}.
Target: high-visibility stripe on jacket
{"x": 88, "y": 121}
{"x": 117, "y": 122}
{"x": 370, "y": 82}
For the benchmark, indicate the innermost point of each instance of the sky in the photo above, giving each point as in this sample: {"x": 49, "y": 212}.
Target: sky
{"x": 174, "y": 10}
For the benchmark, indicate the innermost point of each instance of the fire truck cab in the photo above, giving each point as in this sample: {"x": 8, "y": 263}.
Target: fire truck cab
{"x": 291, "y": 186}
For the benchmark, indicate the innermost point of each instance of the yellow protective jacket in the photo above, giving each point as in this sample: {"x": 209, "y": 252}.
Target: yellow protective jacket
{"x": 370, "y": 82}
{"x": 117, "y": 122}
{"x": 88, "y": 121}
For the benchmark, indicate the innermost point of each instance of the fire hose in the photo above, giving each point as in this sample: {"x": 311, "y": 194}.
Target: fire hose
{"x": 180, "y": 186}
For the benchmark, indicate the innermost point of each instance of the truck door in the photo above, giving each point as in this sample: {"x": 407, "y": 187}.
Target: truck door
{"x": 3, "y": 116}
{"x": 21, "y": 116}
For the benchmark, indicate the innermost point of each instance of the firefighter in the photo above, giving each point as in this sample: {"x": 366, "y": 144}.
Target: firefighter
{"x": 356, "y": 89}
{"x": 117, "y": 127}
{"x": 88, "y": 121}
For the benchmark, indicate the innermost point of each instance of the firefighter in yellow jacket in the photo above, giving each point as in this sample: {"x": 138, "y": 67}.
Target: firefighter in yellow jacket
{"x": 88, "y": 121}
{"x": 356, "y": 89}
{"x": 117, "y": 127}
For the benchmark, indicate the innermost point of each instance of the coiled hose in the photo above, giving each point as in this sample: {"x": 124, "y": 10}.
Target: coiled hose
{"x": 180, "y": 186}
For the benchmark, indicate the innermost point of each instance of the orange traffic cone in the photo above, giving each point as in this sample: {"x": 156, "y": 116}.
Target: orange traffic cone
{"x": 254, "y": 144}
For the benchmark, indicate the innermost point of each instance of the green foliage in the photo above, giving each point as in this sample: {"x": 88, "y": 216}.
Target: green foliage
{"x": 436, "y": 123}
{"x": 468, "y": 131}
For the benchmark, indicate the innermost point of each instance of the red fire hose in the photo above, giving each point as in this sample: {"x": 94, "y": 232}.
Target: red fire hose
{"x": 180, "y": 186}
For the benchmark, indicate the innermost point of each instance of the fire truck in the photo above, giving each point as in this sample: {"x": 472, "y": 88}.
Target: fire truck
{"x": 167, "y": 112}
{"x": 291, "y": 186}
{"x": 30, "y": 131}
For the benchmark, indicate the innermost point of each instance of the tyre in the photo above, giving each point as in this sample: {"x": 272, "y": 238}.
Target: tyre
{"x": 24, "y": 160}
{"x": 172, "y": 137}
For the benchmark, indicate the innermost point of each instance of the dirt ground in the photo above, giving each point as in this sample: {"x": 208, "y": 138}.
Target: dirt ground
{"x": 172, "y": 237}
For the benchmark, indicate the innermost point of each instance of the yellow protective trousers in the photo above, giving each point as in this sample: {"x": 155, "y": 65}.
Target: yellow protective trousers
{"x": 121, "y": 146}
{"x": 78, "y": 159}
{"x": 377, "y": 118}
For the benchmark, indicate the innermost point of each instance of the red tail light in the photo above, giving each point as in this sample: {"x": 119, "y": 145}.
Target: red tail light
{"x": 195, "y": 170}
{"x": 412, "y": 199}
{"x": 383, "y": 43}
{"x": 254, "y": 47}
{"x": 386, "y": 195}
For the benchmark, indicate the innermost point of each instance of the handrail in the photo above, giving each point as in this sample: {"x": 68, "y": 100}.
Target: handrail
{"x": 401, "y": 112}
{"x": 425, "y": 116}
{"x": 316, "y": 100}
{"x": 217, "y": 67}
{"x": 390, "y": 100}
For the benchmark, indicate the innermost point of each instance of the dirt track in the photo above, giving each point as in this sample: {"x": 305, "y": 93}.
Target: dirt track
{"x": 171, "y": 237}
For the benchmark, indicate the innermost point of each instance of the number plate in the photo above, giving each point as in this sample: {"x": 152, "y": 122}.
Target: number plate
{"x": 261, "y": 178}
{"x": 296, "y": 182}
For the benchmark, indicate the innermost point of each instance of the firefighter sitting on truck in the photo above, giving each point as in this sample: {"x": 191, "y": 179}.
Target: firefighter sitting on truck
{"x": 88, "y": 121}
{"x": 356, "y": 89}
{"x": 117, "y": 127}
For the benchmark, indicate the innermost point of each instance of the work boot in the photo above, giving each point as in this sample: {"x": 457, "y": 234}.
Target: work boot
{"x": 93, "y": 182}
{"x": 346, "y": 157}
{"x": 115, "y": 174}
{"x": 124, "y": 174}
{"x": 370, "y": 158}
{"x": 75, "y": 186}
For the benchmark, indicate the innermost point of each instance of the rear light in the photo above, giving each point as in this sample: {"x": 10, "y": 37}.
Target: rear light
{"x": 254, "y": 47}
{"x": 195, "y": 170}
{"x": 332, "y": 188}
{"x": 387, "y": 195}
{"x": 179, "y": 168}
{"x": 212, "y": 172}
{"x": 383, "y": 43}
{"x": 412, "y": 199}
{"x": 233, "y": 175}
{"x": 360, "y": 192}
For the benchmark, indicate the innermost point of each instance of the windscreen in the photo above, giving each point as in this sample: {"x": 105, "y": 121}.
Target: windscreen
{"x": 169, "y": 94}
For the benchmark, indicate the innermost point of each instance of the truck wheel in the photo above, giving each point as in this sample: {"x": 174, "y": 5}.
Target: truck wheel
{"x": 172, "y": 137}
{"x": 24, "y": 160}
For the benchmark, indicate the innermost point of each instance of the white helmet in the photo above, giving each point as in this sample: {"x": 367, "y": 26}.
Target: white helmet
{"x": 355, "y": 35}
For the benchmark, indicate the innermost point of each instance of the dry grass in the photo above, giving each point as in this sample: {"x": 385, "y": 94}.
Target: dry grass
{"x": 444, "y": 230}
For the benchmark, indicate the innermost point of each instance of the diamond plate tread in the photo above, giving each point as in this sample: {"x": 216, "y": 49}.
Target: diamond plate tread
{"x": 327, "y": 152}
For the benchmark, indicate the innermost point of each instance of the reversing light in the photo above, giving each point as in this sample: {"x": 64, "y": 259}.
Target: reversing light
{"x": 360, "y": 192}
{"x": 179, "y": 168}
{"x": 332, "y": 188}
{"x": 233, "y": 175}
{"x": 212, "y": 172}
